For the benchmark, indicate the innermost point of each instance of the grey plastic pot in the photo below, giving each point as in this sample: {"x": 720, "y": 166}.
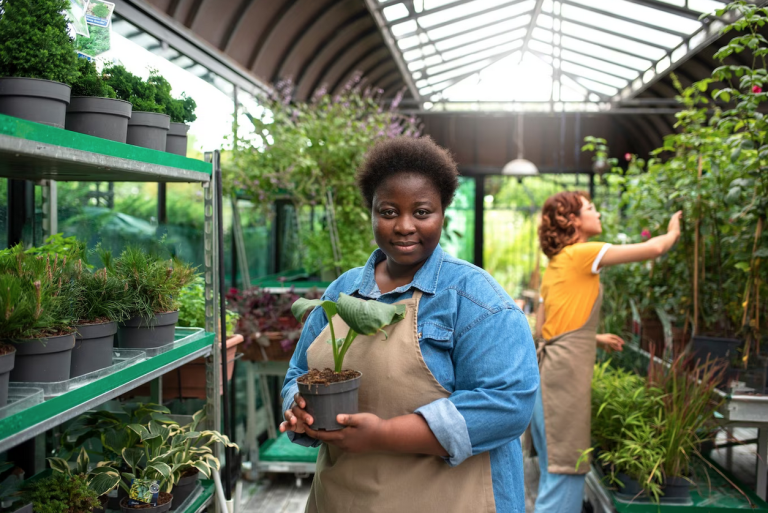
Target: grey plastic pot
{"x": 183, "y": 489}
{"x": 324, "y": 402}
{"x": 676, "y": 489}
{"x": 148, "y": 130}
{"x": 93, "y": 348}
{"x": 33, "y": 99}
{"x": 141, "y": 333}
{"x": 6, "y": 366}
{"x": 154, "y": 509}
{"x": 43, "y": 360}
{"x": 26, "y": 508}
{"x": 103, "y": 500}
{"x": 176, "y": 142}
{"x": 101, "y": 117}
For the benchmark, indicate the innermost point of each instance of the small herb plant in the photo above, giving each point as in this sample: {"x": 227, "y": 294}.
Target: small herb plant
{"x": 362, "y": 317}
{"x": 156, "y": 282}
{"x": 192, "y": 307}
{"x": 91, "y": 82}
{"x": 34, "y": 41}
{"x": 129, "y": 87}
{"x": 61, "y": 493}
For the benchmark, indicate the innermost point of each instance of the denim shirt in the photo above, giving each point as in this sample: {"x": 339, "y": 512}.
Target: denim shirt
{"x": 477, "y": 344}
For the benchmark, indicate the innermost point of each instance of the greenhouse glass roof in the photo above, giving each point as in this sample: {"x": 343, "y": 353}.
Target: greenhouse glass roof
{"x": 547, "y": 51}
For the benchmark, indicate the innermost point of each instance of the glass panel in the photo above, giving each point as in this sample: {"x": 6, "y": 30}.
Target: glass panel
{"x": 458, "y": 237}
{"x": 483, "y": 33}
{"x": 598, "y": 64}
{"x": 477, "y": 21}
{"x": 395, "y": 12}
{"x": 610, "y": 40}
{"x": 645, "y": 14}
{"x": 478, "y": 47}
{"x": 605, "y": 53}
{"x": 428, "y": 20}
{"x": 404, "y": 28}
{"x": 594, "y": 75}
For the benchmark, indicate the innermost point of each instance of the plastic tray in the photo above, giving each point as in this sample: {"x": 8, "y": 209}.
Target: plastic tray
{"x": 121, "y": 358}
{"x": 20, "y": 398}
{"x": 183, "y": 336}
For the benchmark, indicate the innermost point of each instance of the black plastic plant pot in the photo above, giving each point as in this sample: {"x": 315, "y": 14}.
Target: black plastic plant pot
{"x": 43, "y": 360}
{"x": 148, "y": 130}
{"x": 6, "y": 366}
{"x": 676, "y": 489}
{"x": 33, "y": 99}
{"x": 184, "y": 489}
{"x": 101, "y": 117}
{"x": 324, "y": 402}
{"x": 176, "y": 142}
{"x": 160, "y": 508}
{"x": 26, "y": 508}
{"x": 141, "y": 333}
{"x": 103, "y": 500}
{"x": 93, "y": 348}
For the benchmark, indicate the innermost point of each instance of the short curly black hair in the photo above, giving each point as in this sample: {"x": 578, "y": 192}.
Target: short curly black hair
{"x": 408, "y": 154}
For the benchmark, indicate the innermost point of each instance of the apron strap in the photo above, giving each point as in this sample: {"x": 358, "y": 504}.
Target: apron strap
{"x": 417, "y": 295}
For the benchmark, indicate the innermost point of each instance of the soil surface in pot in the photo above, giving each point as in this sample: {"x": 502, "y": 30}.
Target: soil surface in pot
{"x": 162, "y": 498}
{"x": 6, "y": 348}
{"x": 326, "y": 377}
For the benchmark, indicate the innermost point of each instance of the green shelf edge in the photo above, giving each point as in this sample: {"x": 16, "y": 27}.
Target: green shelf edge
{"x": 38, "y": 413}
{"x": 208, "y": 490}
{"x": 31, "y": 131}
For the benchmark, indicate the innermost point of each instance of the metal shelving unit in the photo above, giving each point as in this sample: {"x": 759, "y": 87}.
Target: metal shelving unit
{"x": 36, "y": 152}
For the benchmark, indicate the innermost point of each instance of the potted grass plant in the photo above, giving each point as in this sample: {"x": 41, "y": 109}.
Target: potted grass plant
{"x": 37, "y": 61}
{"x": 94, "y": 108}
{"x": 149, "y": 125}
{"x": 154, "y": 307}
{"x": 36, "y": 319}
{"x": 330, "y": 392}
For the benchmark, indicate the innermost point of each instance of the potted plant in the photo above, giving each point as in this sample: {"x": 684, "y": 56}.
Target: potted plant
{"x": 266, "y": 322}
{"x": 61, "y": 493}
{"x": 148, "y": 126}
{"x": 156, "y": 284}
{"x": 330, "y": 392}
{"x": 7, "y": 358}
{"x": 98, "y": 301}
{"x": 37, "y": 61}
{"x": 99, "y": 479}
{"x": 181, "y": 110}
{"x": 94, "y": 108}
{"x": 35, "y": 316}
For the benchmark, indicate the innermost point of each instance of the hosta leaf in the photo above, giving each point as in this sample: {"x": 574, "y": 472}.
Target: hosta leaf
{"x": 161, "y": 468}
{"x": 104, "y": 482}
{"x": 59, "y": 465}
{"x": 368, "y": 317}
{"x": 203, "y": 468}
{"x": 132, "y": 456}
{"x": 197, "y": 418}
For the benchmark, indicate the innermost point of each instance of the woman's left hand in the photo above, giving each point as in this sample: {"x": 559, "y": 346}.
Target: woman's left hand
{"x": 610, "y": 342}
{"x": 364, "y": 432}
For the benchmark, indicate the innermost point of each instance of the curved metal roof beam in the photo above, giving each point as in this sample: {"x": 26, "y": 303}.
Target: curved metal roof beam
{"x": 347, "y": 60}
{"x": 364, "y": 67}
{"x": 248, "y": 32}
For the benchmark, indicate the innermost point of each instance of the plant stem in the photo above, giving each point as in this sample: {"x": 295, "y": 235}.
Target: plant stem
{"x": 347, "y": 342}
{"x": 334, "y": 344}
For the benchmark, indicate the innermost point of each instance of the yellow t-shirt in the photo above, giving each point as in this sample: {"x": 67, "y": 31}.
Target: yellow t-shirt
{"x": 570, "y": 287}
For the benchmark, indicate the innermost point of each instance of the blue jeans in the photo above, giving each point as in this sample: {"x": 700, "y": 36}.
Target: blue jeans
{"x": 560, "y": 493}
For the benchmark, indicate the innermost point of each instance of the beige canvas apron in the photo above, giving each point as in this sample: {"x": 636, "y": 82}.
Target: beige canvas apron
{"x": 566, "y": 363}
{"x": 396, "y": 381}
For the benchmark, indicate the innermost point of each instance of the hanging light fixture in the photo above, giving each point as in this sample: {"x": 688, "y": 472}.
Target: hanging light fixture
{"x": 520, "y": 166}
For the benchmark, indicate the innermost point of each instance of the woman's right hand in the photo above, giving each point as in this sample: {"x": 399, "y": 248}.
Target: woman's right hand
{"x": 297, "y": 418}
{"x": 673, "y": 227}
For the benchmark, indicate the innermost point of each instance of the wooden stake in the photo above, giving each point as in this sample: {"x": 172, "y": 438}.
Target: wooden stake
{"x": 697, "y": 236}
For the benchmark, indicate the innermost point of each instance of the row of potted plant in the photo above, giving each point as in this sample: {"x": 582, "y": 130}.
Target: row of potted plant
{"x": 152, "y": 461}
{"x": 43, "y": 80}
{"x": 646, "y": 431}
{"x": 60, "y": 317}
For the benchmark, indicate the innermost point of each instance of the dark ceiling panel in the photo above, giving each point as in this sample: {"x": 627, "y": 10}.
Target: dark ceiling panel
{"x": 249, "y": 30}
{"x": 349, "y": 58}
{"x": 373, "y": 58}
{"x": 211, "y": 19}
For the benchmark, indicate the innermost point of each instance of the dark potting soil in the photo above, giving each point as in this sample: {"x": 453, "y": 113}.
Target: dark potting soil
{"x": 100, "y": 320}
{"x": 162, "y": 498}
{"x": 6, "y": 348}
{"x": 326, "y": 377}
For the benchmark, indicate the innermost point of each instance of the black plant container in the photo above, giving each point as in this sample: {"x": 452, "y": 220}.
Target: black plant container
{"x": 148, "y": 130}
{"x": 184, "y": 489}
{"x": 34, "y": 99}
{"x": 324, "y": 402}
{"x": 176, "y": 142}
{"x": 141, "y": 333}
{"x": 162, "y": 508}
{"x": 43, "y": 360}
{"x": 6, "y": 366}
{"x": 93, "y": 348}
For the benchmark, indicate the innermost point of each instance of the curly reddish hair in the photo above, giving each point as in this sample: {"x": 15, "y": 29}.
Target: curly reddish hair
{"x": 556, "y": 230}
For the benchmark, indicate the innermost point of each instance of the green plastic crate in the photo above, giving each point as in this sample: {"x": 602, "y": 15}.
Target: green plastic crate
{"x": 282, "y": 449}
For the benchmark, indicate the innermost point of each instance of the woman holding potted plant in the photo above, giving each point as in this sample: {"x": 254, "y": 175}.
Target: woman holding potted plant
{"x": 567, "y": 329}
{"x": 445, "y": 397}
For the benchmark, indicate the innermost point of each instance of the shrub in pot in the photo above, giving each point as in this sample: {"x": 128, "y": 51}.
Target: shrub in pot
{"x": 156, "y": 284}
{"x": 98, "y": 301}
{"x": 36, "y": 319}
{"x": 149, "y": 125}
{"x": 94, "y": 108}
{"x": 61, "y": 493}
{"x": 37, "y": 61}
{"x": 331, "y": 392}
{"x": 181, "y": 110}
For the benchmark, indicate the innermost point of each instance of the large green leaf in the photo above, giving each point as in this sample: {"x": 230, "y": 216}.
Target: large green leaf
{"x": 203, "y": 468}
{"x": 103, "y": 482}
{"x": 368, "y": 317}
{"x": 82, "y": 461}
{"x": 59, "y": 465}
{"x": 161, "y": 468}
{"x": 132, "y": 456}
{"x": 302, "y": 305}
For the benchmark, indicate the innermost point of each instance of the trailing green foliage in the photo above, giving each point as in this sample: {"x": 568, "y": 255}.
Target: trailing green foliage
{"x": 34, "y": 41}
{"x": 156, "y": 282}
{"x": 61, "y": 493}
{"x": 129, "y": 87}
{"x": 366, "y": 317}
{"x": 91, "y": 82}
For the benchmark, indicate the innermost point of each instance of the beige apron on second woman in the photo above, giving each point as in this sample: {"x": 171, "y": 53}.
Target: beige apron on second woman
{"x": 396, "y": 381}
{"x": 566, "y": 364}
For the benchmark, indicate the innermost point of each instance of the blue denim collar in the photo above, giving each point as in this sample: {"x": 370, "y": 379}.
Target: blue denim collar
{"x": 425, "y": 279}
